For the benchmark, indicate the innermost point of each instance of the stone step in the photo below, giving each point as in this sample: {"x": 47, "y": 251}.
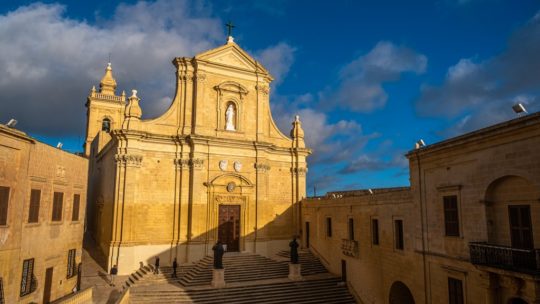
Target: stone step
{"x": 315, "y": 291}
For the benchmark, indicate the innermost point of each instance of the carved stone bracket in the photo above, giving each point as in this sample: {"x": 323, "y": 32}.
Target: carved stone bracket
{"x": 262, "y": 168}
{"x": 300, "y": 171}
{"x": 181, "y": 163}
{"x": 200, "y": 77}
{"x": 60, "y": 172}
{"x": 197, "y": 163}
{"x": 263, "y": 88}
{"x": 130, "y": 160}
{"x": 187, "y": 77}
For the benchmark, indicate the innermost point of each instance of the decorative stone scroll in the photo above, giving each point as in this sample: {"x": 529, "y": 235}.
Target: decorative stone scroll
{"x": 181, "y": 163}
{"x": 262, "y": 168}
{"x": 300, "y": 171}
{"x": 128, "y": 160}
{"x": 229, "y": 198}
{"x": 197, "y": 163}
{"x": 60, "y": 172}
{"x": 263, "y": 88}
{"x": 200, "y": 77}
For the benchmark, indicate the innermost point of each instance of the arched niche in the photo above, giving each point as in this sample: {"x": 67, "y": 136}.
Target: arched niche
{"x": 230, "y": 93}
{"x": 400, "y": 294}
{"x": 504, "y": 197}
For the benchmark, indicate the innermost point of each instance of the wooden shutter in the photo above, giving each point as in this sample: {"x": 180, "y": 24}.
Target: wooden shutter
{"x": 351, "y": 229}
{"x": 329, "y": 227}
{"x": 399, "y": 234}
{"x": 33, "y": 211}
{"x": 57, "y": 206}
{"x": 451, "y": 217}
{"x": 520, "y": 226}
{"x": 71, "y": 263}
{"x": 76, "y": 203}
{"x": 4, "y": 202}
{"x": 455, "y": 291}
{"x": 2, "y": 299}
{"x": 375, "y": 231}
{"x": 27, "y": 275}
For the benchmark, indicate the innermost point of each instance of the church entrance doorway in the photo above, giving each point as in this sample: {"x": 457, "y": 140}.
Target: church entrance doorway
{"x": 229, "y": 226}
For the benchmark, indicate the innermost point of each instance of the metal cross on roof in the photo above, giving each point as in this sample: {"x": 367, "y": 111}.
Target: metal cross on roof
{"x": 229, "y": 26}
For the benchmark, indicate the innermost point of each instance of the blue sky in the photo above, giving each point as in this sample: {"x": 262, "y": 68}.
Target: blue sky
{"x": 368, "y": 78}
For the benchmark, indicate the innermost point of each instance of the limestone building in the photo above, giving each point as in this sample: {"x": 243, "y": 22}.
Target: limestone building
{"x": 466, "y": 231}
{"x": 213, "y": 166}
{"x": 42, "y": 211}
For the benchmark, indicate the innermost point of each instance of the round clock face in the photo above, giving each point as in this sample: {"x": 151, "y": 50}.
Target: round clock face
{"x": 231, "y": 186}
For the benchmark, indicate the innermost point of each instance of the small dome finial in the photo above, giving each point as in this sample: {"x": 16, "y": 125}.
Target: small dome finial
{"x": 108, "y": 83}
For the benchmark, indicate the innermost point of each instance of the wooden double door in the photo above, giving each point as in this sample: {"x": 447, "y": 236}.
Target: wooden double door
{"x": 229, "y": 226}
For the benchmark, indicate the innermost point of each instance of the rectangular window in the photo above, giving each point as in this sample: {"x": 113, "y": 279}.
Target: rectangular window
{"x": 398, "y": 227}
{"x": 71, "y": 266}
{"x": 2, "y": 300}
{"x": 451, "y": 218}
{"x": 76, "y": 203}
{"x": 375, "y": 231}
{"x": 4, "y": 200}
{"x": 27, "y": 277}
{"x": 351, "y": 229}
{"x": 329, "y": 227}
{"x": 33, "y": 211}
{"x": 58, "y": 200}
{"x": 455, "y": 291}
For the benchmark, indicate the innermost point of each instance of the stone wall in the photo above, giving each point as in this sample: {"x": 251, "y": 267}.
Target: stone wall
{"x": 27, "y": 164}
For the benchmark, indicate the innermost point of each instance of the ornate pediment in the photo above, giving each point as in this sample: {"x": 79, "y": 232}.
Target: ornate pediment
{"x": 231, "y": 87}
{"x": 232, "y": 55}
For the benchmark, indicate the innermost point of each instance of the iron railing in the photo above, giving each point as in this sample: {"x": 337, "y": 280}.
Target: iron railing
{"x": 349, "y": 247}
{"x": 504, "y": 257}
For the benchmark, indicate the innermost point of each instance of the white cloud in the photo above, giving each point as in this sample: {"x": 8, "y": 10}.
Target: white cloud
{"x": 277, "y": 59}
{"x": 479, "y": 94}
{"x": 461, "y": 70}
{"x": 50, "y": 62}
{"x": 361, "y": 81}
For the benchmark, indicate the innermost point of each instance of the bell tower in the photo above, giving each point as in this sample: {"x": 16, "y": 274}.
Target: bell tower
{"x": 105, "y": 111}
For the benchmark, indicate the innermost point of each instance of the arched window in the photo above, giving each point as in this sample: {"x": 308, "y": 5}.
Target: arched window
{"x": 106, "y": 125}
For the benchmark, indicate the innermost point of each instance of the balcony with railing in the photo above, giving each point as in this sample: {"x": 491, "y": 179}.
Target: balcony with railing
{"x": 349, "y": 247}
{"x": 503, "y": 257}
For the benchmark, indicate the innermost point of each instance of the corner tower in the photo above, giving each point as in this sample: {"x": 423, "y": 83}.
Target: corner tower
{"x": 105, "y": 111}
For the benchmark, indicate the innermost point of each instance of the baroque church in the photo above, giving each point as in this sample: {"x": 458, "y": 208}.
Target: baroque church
{"x": 213, "y": 167}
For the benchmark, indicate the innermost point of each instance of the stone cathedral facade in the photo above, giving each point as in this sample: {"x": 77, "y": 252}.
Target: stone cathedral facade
{"x": 213, "y": 166}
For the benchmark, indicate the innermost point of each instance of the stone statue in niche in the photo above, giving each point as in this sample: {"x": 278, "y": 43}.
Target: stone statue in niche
{"x": 229, "y": 118}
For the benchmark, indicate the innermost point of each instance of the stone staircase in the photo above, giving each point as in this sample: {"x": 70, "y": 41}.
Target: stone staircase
{"x": 327, "y": 290}
{"x": 250, "y": 278}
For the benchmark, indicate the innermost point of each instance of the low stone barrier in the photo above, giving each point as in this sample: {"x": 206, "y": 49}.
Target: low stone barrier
{"x": 80, "y": 297}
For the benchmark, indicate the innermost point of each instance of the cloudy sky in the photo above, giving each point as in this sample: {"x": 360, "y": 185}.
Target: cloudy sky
{"x": 368, "y": 78}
